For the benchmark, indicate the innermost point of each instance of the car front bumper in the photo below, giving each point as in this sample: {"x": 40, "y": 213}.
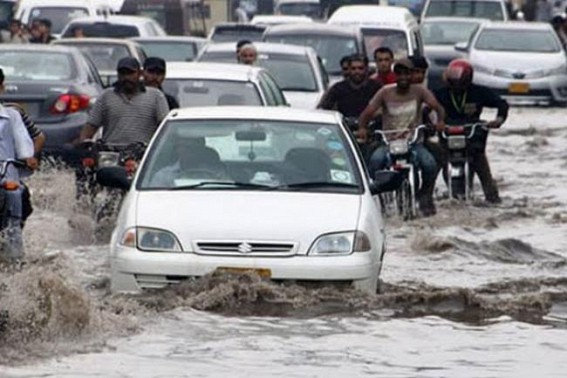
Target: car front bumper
{"x": 133, "y": 270}
{"x": 541, "y": 91}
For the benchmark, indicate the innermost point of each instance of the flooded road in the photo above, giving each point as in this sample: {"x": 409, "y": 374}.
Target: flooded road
{"x": 476, "y": 291}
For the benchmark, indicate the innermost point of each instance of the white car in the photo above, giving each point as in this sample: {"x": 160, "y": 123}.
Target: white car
{"x": 522, "y": 61}
{"x": 297, "y": 69}
{"x": 279, "y": 191}
{"x": 114, "y": 26}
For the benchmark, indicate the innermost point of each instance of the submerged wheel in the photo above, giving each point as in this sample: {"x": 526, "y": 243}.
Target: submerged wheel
{"x": 405, "y": 200}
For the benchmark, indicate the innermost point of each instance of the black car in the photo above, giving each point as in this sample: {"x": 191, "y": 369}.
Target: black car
{"x": 56, "y": 85}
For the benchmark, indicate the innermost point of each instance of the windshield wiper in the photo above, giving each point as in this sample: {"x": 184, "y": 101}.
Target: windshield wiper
{"x": 316, "y": 184}
{"x": 222, "y": 183}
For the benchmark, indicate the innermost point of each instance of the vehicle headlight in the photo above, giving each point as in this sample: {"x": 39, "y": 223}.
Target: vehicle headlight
{"x": 482, "y": 69}
{"x": 150, "y": 239}
{"x": 343, "y": 243}
{"x": 108, "y": 159}
{"x": 561, "y": 70}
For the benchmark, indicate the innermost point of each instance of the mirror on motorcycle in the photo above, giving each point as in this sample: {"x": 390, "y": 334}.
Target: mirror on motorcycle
{"x": 385, "y": 181}
{"x": 113, "y": 177}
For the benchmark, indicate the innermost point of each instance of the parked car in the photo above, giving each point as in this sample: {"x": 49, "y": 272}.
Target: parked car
{"x": 59, "y": 12}
{"x": 234, "y": 32}
{"x": 209, "y": 84}
{"x": 523, "y": 61}
{"x": 56, "y": 85}
{"x": 297, "y": 69}
{"x": 383, "y": 26}
{"x": 330, "y": 42}
{"x": 114, "y": 26}
{"x": 496, "y": 10}
{"x": 172, "y": 48}
{"x": 440, "y": 34}
{"x": 105, "y": 53}
{"x": 278, "y": 191}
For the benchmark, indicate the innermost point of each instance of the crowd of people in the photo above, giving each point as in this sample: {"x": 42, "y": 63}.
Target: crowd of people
{"x": 39, "y": 31}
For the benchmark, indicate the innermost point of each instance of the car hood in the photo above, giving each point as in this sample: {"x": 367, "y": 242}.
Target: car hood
{"x": 302, "y": 100}
{"x": 517, "y": 61}
{"x": 295, "y": 217}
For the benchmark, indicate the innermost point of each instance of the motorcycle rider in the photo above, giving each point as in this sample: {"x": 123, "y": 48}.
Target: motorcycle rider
{"x": 401, "y": 106}
{"x": 464, "y": 102}
{"x": 154, "y": 75}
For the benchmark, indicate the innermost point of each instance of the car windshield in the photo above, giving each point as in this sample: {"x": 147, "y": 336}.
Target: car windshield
{"x": 414, "y": 6}
{"x": 37, "y": 66}
{"x": 236, "y": 34}
{"x": 394, "y": 39}
{"x": 447, "y": 32}
{"x": 292, "y": 72}
{"x": 59, "y": 16}
{"x": 312, "y": 10}
{"x": 199, "y": 92}
{"x": 252, "y": 155}
{"x": 104, "y": 30}
{"x": 170, "y": 51}
{"x": 526, "y": 41}
{"x": 104, "y": 56}
{"x": 491, "y": 10}
{"x": 329, "y": 48}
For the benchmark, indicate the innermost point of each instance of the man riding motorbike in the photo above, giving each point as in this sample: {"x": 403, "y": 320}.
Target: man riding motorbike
{"x": 464, "y": 102}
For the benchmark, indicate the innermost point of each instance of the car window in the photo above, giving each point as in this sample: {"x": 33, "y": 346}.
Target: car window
{"x": 37, "y": 66}
{"x": 199, "y": 92}
{"x": 447, "y": 32}
{"x": 300, "y": 8}
{"x": 59, "y": 16}
{"x": 92, "y": 73}
{"x": 103, "y": 29}
{"x": 231, "y": 34}
{"x": 330, "y": 48}
{"x": 292, "y": 72}
{"x": 537, "y": 41}
{"x": 171, "y": 51}
{"x": 142, "y": 54}
{"x": 414, "y": 6}
{"x": 394, "y": 39}
{"x": 491, "y": 10}
{"x": 276, "y": 154}
{"x": 104, "y": 56}
{"x": 266, "y": 90}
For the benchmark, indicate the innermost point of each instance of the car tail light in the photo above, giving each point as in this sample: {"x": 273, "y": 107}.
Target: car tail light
{"x": 70, "y": 103}
{"x": 455, "y": 130}
{"x": 88, "y": 162}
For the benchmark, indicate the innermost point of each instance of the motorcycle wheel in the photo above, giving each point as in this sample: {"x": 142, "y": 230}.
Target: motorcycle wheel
{"x": 405, "y": 201}
{"x": 458, "y": 185}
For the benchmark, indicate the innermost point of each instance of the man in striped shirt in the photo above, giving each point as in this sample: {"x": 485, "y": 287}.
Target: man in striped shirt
{"x": 129, "y": 112}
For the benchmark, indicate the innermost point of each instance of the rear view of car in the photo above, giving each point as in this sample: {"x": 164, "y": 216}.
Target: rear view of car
{"x": 114, "y": 27}
{"x": 54, "y": 85}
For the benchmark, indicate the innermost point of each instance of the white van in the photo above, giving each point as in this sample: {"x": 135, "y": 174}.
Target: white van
{"x": 383, "y": 26}
{"x": 59, "y": 12}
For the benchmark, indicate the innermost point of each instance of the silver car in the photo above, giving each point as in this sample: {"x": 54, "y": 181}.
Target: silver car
{"x": 523, "y": 62}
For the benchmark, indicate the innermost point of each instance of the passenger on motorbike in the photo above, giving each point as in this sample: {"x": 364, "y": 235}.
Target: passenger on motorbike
{"x": 401, "y": 110}
{"x": 464, "y": 102}
{"x": 154, "y": 75}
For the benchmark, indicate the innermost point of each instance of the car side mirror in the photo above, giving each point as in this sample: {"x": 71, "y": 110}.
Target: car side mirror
{"x": 462, "y": 46}
{"x": 113, "y": 177}
{"x": 385, "y": 181}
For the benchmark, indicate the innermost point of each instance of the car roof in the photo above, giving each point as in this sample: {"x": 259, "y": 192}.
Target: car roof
{"x": 313, "y": 28}
{"x": 267, "y": 19}
{"x": 170, "y": 38}
{"x": 206, "y": 70}
{"x": 118, "y": 19}
{"x": 429, "y": 20}
{"x": 274, "y": 113}
{"x": 89, "y": 40}
{"x": 261, "y": 47}
{"x": 517, "y": 25}
{"x": 372, "y": 14}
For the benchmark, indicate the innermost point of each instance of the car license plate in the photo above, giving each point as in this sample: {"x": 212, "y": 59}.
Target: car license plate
{"x": 262, "y": 272}
{"x": 519, "y": 88}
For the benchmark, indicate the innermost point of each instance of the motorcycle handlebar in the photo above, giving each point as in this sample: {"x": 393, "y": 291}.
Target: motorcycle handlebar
{"x": 416, "y": 133}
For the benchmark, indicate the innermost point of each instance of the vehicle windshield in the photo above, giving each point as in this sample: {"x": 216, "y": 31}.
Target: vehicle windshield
{"x": 491, "y": 10}
{"x": 104, "y": 30}
{"x": 195, "y": 92}
{"x": 526, "y": 41}
{"x": 447, "y": 32}
{"x": 170, "y": 51}
{"x": 59, "y": 16}
{"x": 292, "y": 73}
{"x": 37, "y": 66}
{"x": 252, "y": 155}
{"x": 329, "y": 48}
{"x": 104, "y": 56}
{"x": 236, "y": 34}
{"x": 394, "y": 39}
{"x": 312, "y": 10}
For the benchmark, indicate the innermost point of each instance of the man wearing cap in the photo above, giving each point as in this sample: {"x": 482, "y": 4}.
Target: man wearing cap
{"x": 154, "y": 75}
{"x": 129, "y": 112}
{"x": 401, "y": 106}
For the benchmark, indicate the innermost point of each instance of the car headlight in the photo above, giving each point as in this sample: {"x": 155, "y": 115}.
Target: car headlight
{"x": 150, "y": 239}
{"x": 482, "y": 69}
{"x": 561, "y": 70}
{"x": 343, "y": 243}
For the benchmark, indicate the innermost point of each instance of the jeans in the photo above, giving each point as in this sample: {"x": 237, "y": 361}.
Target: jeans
{"x": 420, "y": 157}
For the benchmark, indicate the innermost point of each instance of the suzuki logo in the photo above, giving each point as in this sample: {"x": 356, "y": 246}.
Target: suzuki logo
{"x": 244, "y": 248}
{"x": 519, "y": 75}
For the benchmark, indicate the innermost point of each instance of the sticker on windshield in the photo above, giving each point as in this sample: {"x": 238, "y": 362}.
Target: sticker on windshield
{"x": 341, "y": 176}
{"x": 335, "y": 145}
{"x": 341, "y": 162}
{"x": 324, "y": 131}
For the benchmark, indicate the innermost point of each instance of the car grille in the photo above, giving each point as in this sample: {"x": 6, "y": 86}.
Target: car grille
{"x": 243, "y": 248}
{"x": 146, "y": 281}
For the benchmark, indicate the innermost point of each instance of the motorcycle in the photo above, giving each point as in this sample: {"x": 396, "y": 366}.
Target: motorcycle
{"x": 403, "y": 199}
{"x": 459, "y": 141}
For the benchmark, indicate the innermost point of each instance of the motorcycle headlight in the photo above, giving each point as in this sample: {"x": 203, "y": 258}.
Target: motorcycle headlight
{"x": 108, "y": 159}
{"x": 343, "y": 243}
{"x": 399, "y": 147}
{"x": 150, "y": 240}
